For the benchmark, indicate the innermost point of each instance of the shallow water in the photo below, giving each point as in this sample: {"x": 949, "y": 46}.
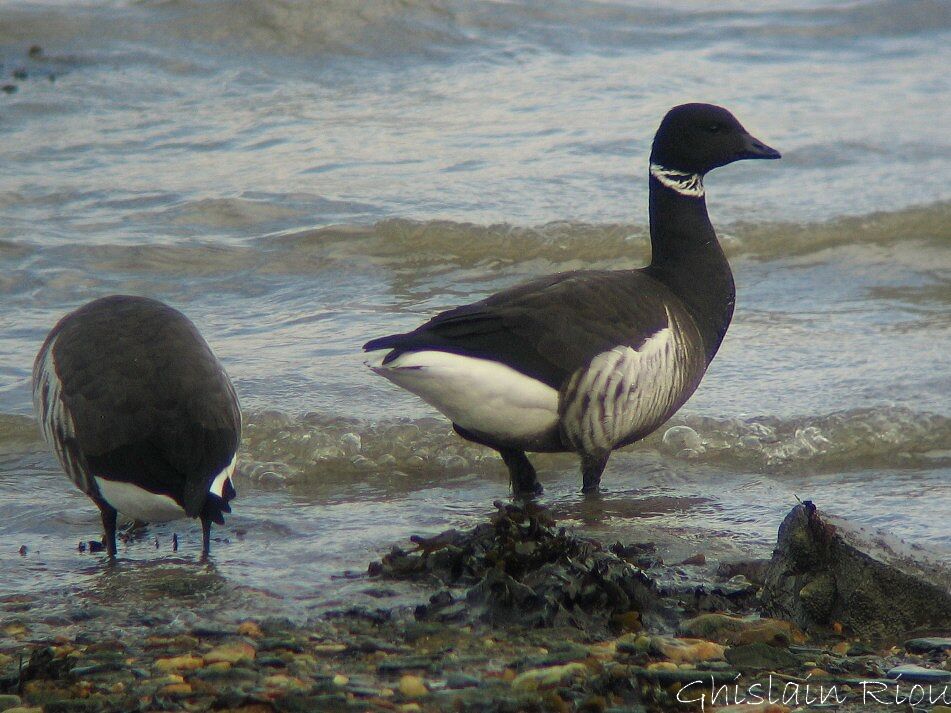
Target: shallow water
{"x": 299, "y": 177}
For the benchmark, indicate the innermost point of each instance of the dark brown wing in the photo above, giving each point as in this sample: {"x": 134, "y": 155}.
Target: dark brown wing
{"x": 549, "y": 327}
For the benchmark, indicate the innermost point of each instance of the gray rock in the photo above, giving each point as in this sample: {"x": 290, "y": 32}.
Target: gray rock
{"x": 457, "y": 679}
{"x": 759, "y": 657}
{"x": 919, "y": 674}
{"x": 928, "y": 645}
{"x": 9, "y": 701}
{"x": 825, "y": 569}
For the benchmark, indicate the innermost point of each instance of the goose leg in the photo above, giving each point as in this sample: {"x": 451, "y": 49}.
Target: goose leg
{"x": 521, "y": 471}
{"x": 592, "y": 466}
{"x": 205, "y": 537}
{"x": 109, "y": 528}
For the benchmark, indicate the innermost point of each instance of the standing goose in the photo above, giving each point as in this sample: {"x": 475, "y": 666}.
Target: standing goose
{"x": 591, "y": 360}
{"x": 139, "y": 412}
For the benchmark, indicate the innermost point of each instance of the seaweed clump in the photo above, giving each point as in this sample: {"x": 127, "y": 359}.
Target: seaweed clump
{"x": 520, "y": 568}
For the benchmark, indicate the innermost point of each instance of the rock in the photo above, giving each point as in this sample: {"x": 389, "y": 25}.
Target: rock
{"x": 251, "y": 629}
{"x": 928, "y": 645}
{"x": 412, "y": 687}
{"x": 187, "y": 662}
{"x": 9, "y": 701}
{"x": 752, "y": 708}
{"x": 665, "y": 673}
{"x": 760, "y": 657}
{"x": 697, "y": 559}
{"x": 733, "y": 630}
{"x": 180, "y": 642}
{"x": 826, "y": 570}
{"x": 22, "y": 709}
{"x": 457, "y": 679}
{"x": 662, "y": 666}
{"x": 231, "y": 653}
{"x": 686, "y": 650}
{"x": 549, "y": 677}
{"x": 280, "y": 680}
{"x": 634, "y": 644}
{"x": 754, "y": 570}
{"x": 175, "y": 689}
{"x": 919, "y": 674}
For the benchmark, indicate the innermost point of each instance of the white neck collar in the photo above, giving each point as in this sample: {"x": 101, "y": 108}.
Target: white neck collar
{"x": 686, "y": 184}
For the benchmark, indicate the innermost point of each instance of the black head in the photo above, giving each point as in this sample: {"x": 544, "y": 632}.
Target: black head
{"x": 697, "y": 138}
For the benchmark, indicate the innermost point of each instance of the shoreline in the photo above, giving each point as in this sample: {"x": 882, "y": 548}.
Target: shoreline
{"x": 522, "y": 615}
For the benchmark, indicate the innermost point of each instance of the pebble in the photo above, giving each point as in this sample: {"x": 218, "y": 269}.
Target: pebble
{"x": 9, "y": 701}
{"x": 184, "y": 663}
{"x": 412, "y": 687}
{"x": 662, "y": 666}
{"x": 549, "y": 676}
{"x": 686, "y": 650}
{"x": 634, "y": 644}
{"x": 280, "y": 680}
{"x": 175, "y": 689}
{"x": 166, "y": 680}
{"x": 230, "y": 653}
{"x": 738, "y": 631}
{"x": 251, "y": 629}
{"x": 462, "y": 680}
{"x": 760, "y": 656}
{"x": 842, "y": 648}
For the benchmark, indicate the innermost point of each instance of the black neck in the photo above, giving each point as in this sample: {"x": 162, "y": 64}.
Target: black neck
{"x": 688, "y": 259}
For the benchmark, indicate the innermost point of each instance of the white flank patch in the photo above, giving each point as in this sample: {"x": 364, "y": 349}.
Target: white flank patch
{"x": 56, "y": 422}
{"x": 218, "y": 484}
{"x": 138, "y": 503}
{"x": 686, "y": 184}
{"x": 624, "y": 391}
{"x": 477, "y": 394}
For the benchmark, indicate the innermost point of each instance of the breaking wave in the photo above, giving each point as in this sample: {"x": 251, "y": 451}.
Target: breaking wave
{"x": 282, "y": 449}
{"x": 385, "y": 28}
{"x": 438, "y": 245}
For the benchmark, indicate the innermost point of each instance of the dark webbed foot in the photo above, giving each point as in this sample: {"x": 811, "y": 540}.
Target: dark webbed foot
{"x": 109, "y": 528}
{"x": 592, "y": 466}
{"x": 524, "y": 481}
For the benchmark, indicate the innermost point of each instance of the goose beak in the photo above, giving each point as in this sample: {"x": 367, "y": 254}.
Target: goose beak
{"x": 754, "y": 148}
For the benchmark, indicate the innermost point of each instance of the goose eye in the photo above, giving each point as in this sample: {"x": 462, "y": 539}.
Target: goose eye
{"x": 714, "y": 128}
